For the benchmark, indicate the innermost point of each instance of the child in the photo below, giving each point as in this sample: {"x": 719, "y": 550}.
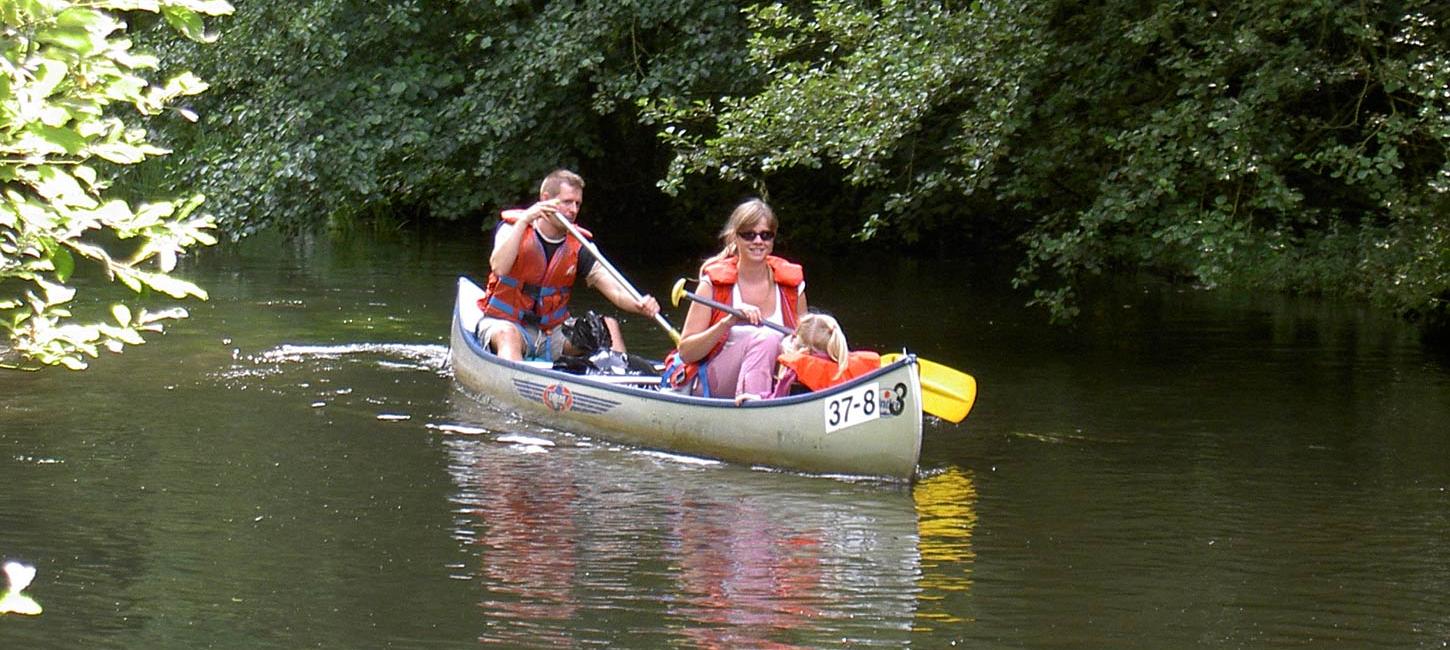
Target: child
{"x": 816, "y": 356}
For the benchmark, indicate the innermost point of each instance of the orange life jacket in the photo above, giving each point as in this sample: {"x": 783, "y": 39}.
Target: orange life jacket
{"x": 723, "y": 274}
{"x": 819, "y": 372}
{"x": 535, "y": 291}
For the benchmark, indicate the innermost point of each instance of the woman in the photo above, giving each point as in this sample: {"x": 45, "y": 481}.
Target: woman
{"x": 726, "y": 356}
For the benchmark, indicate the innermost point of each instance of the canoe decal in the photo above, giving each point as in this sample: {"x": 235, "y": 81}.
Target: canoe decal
{"x": 560, "y": 398}
{"x": 893, "y": 400}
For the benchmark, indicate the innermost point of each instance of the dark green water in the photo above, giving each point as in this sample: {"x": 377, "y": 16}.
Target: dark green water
{"x": 292, "y": 467}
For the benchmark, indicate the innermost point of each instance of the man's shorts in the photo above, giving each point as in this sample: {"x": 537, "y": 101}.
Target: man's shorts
{"x": 538, "y": 346}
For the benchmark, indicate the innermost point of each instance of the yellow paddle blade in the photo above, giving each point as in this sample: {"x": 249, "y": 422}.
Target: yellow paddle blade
{"x": 946, "y": 392}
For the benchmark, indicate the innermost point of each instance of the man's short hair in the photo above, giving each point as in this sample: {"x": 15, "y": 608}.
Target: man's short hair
{"x": 550, "y": 186}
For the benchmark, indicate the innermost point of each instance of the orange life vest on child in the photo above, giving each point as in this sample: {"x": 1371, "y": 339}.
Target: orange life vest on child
{"x": 723, "y": 274}
{"x": 819, "y": 372}
{"x": 536, "y": 291}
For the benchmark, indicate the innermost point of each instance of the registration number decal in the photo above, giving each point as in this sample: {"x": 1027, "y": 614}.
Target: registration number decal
{"x": 853, "y": 407}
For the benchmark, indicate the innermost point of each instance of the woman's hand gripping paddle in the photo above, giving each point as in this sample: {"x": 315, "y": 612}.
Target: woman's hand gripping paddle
{"x": 678, "y": 293}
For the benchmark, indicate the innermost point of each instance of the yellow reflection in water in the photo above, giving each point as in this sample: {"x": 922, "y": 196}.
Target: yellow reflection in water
{"x": 946, "y": 514}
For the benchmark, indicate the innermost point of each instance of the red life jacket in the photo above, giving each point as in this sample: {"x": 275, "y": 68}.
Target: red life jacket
{"x": 723, "y": 274}
{"x": 819, "y": 372}
{"x": 534, "y": 292}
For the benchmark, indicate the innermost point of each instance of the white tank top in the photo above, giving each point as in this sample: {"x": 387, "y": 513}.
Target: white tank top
{"x": 737, "y": 302}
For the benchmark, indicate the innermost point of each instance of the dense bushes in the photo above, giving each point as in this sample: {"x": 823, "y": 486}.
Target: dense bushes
{"x": 1281, "y": 145}
{"x": 337, "y": 109}
{"x": 1284, "y": 145}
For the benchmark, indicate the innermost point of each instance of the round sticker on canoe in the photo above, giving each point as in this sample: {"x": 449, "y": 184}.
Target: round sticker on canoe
{"x": 558, "y": 398}
{"x": 893, "y": 400}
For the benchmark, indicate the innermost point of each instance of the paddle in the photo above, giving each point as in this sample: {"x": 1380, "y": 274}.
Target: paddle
{"x": 946, "y": 392}
{"x": 679, "y": 292}
{"x": 614, "y": 273}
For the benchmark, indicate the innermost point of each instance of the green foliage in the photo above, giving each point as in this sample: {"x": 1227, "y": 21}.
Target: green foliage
{"x": 334, "y": 110}
{"x": 1285, "y": 145}
{"x": 1288, "y": 145}
{"x": 918, "y": 101}
{"x": 63, "y": 65}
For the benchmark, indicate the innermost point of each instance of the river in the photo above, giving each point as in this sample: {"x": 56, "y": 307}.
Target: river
{"x": 293, "y": 467}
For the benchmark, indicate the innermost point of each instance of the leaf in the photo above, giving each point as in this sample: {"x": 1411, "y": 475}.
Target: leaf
{"x": 128, "y": 5}
{"x": 128, "y": 336}
{"x": 150, "y": 214}
{"x": 72, "y": 362}
{"x": 118, "y": 152}
{"x": 135, "y": 60}
{"x": 127, "y": 88}
{"x": 66, "y": 139}
{"x": 128, "y": 277}
{"x": 85, "y": 173}
{"x": 81, "y": 17}
{"x": 208, "y": 7}
{"x": 56, "y": 294}
{"x": 172, "y": 313}
{"x": 77, "y": 39}
{"x": 64, "y": 262}
{"x": 187, "y": 22}
{"x": 185, "y": 83}
{"x": 174, "y": 287}
{"x": 49, "y": 75}
{"x": 57, "y": 186}
{"x": 166, "y": 258}
{"x": 113, "y": 213}
{"x": 122, "y": 314}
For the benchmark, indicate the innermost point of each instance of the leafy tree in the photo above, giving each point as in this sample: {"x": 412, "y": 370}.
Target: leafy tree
{"x": 64, "y": 66}
{"x": 1286, "y": 145}
{"x": 329, "y": 111}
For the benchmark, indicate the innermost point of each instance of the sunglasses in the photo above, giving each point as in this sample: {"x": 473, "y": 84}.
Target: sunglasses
{"x": 762, "y": 235}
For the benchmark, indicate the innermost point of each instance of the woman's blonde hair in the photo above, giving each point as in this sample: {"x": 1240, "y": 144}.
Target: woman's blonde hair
{"x": 820, "y": 333}
{"x": 745, "y": 215}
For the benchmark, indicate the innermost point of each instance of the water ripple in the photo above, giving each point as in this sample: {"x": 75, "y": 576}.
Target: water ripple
{"x": 423, "y": 356}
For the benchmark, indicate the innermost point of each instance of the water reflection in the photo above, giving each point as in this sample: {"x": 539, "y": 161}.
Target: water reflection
{"x": 744, "y": 577}
{"x": 580, "y": 543}
{"x": 946, "y": 515}
{"x": 523, "y": 526}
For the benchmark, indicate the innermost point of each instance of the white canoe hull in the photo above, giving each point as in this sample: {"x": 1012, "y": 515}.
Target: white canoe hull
{"x": 870, "y": 426}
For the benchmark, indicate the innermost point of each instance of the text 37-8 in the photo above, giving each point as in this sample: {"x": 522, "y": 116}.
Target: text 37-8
{"x": 853, "y": 407}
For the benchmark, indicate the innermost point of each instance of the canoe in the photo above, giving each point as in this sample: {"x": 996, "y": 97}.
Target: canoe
{"x": 870, "y": 426}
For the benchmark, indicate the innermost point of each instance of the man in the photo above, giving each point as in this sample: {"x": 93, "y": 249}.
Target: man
{"x": 532, "y": 270}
